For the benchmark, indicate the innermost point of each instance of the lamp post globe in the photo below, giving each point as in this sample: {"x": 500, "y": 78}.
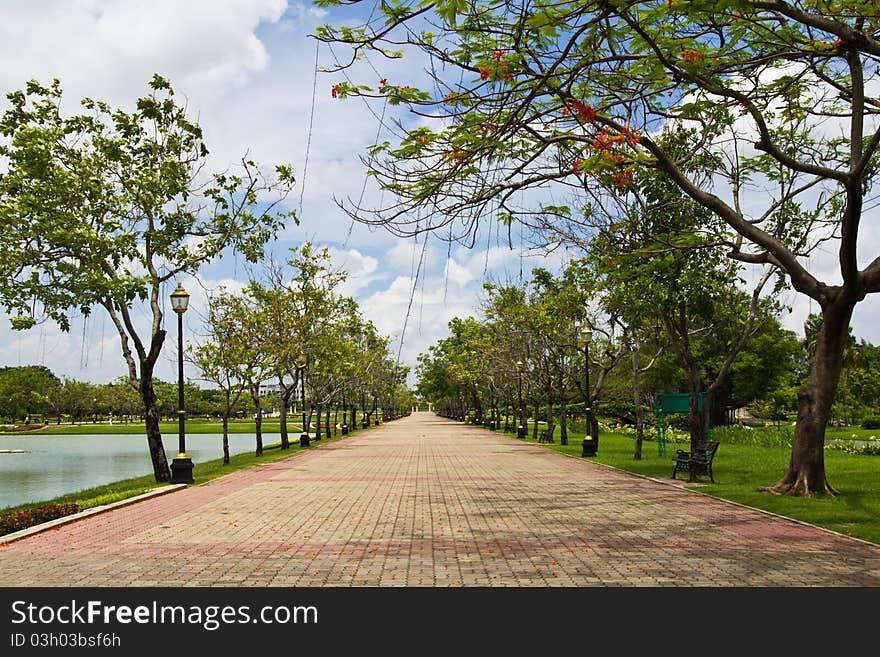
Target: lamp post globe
{"x": 181, "y": 465}
{"x": 590, "y": 443}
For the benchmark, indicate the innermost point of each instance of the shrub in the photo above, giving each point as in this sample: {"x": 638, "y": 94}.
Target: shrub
{"x": 680, "y": 421}
{"x": 771, "y": 436}
{"x": 871, "y": 423}
{"x": 14, "y": 521}
{"x": 869, "y": 449}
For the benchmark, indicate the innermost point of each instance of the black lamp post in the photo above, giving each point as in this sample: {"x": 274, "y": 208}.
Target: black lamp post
{"x": 182, "y": 465}
{"x": 304, "y": 436}
{"x": 521, "y": 426}
{"x": 590, "y": 443}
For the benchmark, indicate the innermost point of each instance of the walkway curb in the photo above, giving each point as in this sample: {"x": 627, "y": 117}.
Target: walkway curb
{"x": 93, "y": 511}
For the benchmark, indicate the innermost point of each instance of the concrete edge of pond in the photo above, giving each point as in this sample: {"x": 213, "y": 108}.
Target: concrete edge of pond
{"x": 73, "y": 517}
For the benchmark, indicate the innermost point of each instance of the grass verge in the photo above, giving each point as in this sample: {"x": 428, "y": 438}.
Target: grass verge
{"x": 740, "y": 470}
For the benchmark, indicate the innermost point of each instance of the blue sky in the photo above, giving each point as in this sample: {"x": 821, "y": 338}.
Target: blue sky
{"x": 247, "y": 71}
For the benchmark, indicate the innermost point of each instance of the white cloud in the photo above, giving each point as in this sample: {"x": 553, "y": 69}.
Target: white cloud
{"x": 361, "y": 270}
{"x": 458, "y": 274}
{"x": 110, "y": 48}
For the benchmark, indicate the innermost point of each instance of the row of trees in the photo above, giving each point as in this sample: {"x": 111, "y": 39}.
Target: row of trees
{"x": 33, "y": 394}
{"x": 290, "y": 333}
{"x": 291, "y": 328}
{"x": 100, "y": 210}
{"x": 577, "y": 118}
{"x": 522, "y": 358}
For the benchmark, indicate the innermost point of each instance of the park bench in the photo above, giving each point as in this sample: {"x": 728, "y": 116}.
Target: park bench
{"x": 698, "y": 463}
{"x": 545, "y": 436}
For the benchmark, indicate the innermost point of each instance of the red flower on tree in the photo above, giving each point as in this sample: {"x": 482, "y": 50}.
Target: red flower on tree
{"x": 691, "y": 56}
{"x": 584, "y": 111}
{"x": 623, "y": 179}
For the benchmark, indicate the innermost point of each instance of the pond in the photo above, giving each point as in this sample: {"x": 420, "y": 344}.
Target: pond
{"x": 37, "y": 468}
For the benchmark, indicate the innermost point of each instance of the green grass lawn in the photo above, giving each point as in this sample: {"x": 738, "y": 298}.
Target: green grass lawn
{"x": 851, "y": 433}
{"x": 740, "y": 470}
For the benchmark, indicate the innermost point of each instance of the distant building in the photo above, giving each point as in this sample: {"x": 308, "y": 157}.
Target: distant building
{"x": 269, "y": 389}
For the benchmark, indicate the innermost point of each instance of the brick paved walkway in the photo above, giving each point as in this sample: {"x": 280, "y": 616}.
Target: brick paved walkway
{"x": 427, "y": 502}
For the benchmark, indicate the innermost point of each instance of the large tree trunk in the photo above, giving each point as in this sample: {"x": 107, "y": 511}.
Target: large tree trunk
{"x": 226, "y": 438}
{"x": 161, "y": 471}
{"x": 806, "y": 469}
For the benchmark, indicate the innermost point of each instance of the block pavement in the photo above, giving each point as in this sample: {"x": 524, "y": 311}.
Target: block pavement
{"x": 427, "y": 502}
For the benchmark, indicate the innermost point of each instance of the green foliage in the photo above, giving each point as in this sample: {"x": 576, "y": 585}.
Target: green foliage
{"x": 869, "y": 448}
{"x": 90, "y": 202}
{"x": 771, "y": 436}
{"x": 27, "y": 390}
{"x": 703, "y": 122}
{"x": 871, "y": 423}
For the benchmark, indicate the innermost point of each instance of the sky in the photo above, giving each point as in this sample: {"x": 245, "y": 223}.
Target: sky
{"x": 246, "y": 69}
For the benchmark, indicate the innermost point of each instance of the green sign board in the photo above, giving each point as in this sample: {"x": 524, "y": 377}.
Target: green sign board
{"x": 673, "y": 402}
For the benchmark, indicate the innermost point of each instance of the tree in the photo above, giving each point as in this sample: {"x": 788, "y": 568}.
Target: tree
{"x": 249, "y": 342}
{"x": 572, "y": 92}
{"x": 122, "y": 399}
{"x": 106, "y": 207}
{"x": 220, "y": 357}
{"x": 303, "y": 303}
{"x": 661, "y": 261}
{"x": 26, "y": 390}
{"x": 77, "y": 398}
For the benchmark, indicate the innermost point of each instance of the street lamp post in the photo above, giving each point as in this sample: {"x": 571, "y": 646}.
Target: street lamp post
{"x": 590, "y": 443}
{"x": 521, "y": 425}
{"x": 304, "y": 435}
{"x": 182, "y": 465}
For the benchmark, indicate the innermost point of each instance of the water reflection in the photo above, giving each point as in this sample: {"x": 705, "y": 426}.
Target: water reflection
{"x": 56, "y": 465}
